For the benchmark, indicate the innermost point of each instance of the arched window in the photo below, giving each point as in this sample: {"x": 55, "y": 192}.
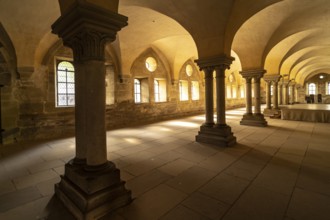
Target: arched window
{"x": 137, "y": 91}
{"x": 194, "y": 90}
{"x": 65, "y": 93}
{"x": 183, "y": 89}
{"x": 157, "y": 92}
{"x": 312, "y": 89}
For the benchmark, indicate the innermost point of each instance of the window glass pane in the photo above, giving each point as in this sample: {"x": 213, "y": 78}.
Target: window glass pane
{"x": 70, "y": 88}
{"x": 311, "y": 89}
{"x": 70, "y": 77}
{"x": 194, "y": 90}
{"x": 65, "y": 84}
{"x": 137, "y": 90}
{"x": 62, "y": 100}
{"x": 183, "y": 89}
{"x": 61, "y": 88}
{"x": 157, "y": 93}
{"x": 61, "y": 76}
{"x": 71, "y": 100}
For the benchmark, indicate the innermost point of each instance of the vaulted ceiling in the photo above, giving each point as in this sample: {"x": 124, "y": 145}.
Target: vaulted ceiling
{"x": 287, "y": 37}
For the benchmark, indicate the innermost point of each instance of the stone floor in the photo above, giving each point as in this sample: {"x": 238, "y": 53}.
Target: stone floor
{"x": 278, "y": 172}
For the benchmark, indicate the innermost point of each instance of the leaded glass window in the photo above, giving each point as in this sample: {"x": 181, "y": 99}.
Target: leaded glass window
{"x": 312, "y": 89}
{"x": 137, "y": 91}
{"x": 157, "y": 91}
{"x": 65, "y": 95}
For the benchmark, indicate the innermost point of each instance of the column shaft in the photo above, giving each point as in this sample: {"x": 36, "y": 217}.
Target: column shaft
{"x": 285, "y": 95}
{"x": 275, "y": 93}
{"x": 268, "y": 97}
{"x": 90, "y": 110}
{"x": 280, "y": 93}
{"x": 257, "y": 107}
{"x": 293, "y": 94}
{"x": 221, "y": 102}
{"x": 209, "y": 106}
{"x": 248, "y": 95}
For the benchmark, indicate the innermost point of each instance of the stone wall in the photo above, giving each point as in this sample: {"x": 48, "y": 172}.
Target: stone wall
{"x": 30, "y": 112}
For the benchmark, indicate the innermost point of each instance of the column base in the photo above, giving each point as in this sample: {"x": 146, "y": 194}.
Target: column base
{"x": 254, "y": 120}
{"x": 92, "y": 194}
{"x": 218, "y": 135}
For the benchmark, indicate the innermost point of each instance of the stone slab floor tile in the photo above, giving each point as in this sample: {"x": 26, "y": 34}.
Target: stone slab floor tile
{"x": 46, "y": 188}
{"x": 225, "y": 188}
{"x": 273, "y": 141}
{"x": 6, "y": 186}
{"x": 205, "y": 205}
{"x": 31, "y": 180}
{"x": 30, "y": 211}
{"x": 153, "y": 204}
{"x": 12, "y": 200}
{"x": 191, "y": 179}
{"x": 317, "y": 157}
{"x": 280, "y": 174}
{"x": 176, "y": 167}
{"x": 137, "y": 157}
{"x": 219, "y": 161}
{"x": 183, "y": 213}
{"x": 258, "y": 203}
{"x": 306, "y": 205}
{"x": 143, "y": 183}
{"x": 145, "y": 166}
{"x": 314, "y": 178}
{"x": 294, "y": 146}
{"x": 249, "y": 166}
{"x": 45, "y": 166}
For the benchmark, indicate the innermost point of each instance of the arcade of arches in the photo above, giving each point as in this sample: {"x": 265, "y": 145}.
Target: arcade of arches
{"x": 82, "y": 67}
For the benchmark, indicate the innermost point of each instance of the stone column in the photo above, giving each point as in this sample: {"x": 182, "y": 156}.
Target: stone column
{"x": 219, "y": 134}
{"x": 257, "y": 99}
{"x": 91, "y": 186}
{"x": 209, "y": 106}
{"x": 256, "y": 119}
{"x": 280, "y": 93}
{"x": 275, "y": 94}
{"x": 268, "y": 95}
{"x": 221, "y": 99}
{"x": 285, "y": 93}
{"x": 248, "y": 95}
{"x": 293, "y": 95}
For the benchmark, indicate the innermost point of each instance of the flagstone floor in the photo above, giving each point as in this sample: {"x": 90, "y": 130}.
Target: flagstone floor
{"x": 278, "y": 172}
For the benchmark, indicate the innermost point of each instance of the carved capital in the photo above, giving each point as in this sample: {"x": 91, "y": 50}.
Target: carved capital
{"x": 255, "y": 74}
{"x": 219, "y": 63}
{"x": 269, "y": 78}
{"x": 86, "y": 28}
{"x": 88, "y": 45}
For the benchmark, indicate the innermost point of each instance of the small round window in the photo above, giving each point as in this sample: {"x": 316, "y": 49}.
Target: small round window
{"x": 189, "y": 70}
{"x": 151, "y": 64}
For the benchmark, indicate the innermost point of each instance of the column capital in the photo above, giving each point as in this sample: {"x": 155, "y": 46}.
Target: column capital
{"x": 86, "y": 28}
{"x": 271, "y": 78}
{"x": 256, "y": 73}
{"x": 222, "y": 61}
